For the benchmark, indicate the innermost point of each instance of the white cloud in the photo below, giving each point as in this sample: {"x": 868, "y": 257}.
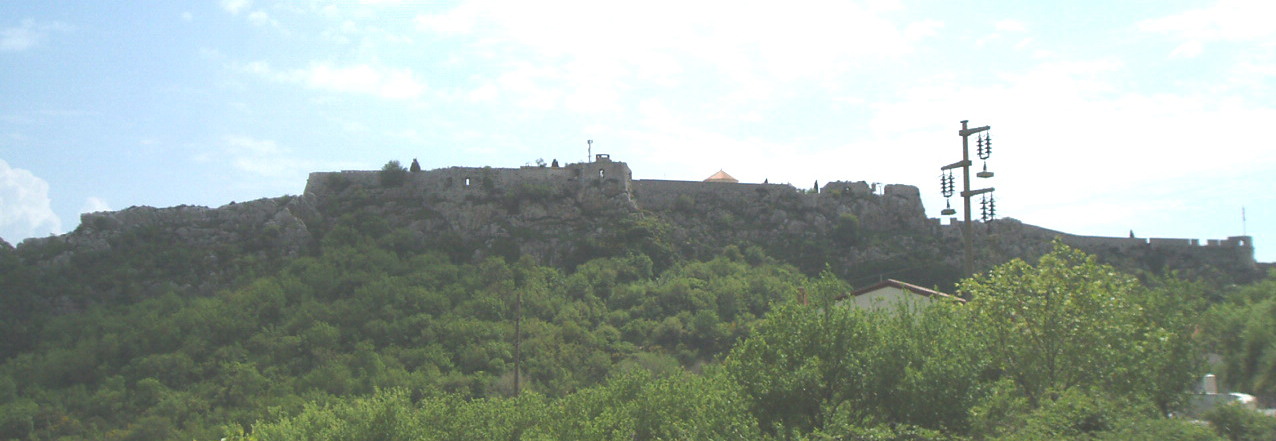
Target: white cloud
{"x": 265, "y": 158}
{"x": 259, "y": 157}
{"x": 587, "y": 60}
{"x": 234, "y": 6}
{"x": 94, "y": 204}
{"x": 363, "y": 78}
{"x": 1225, "y": 20}
{"x": 29, "y": 34}
{"x": 1004, "y": 27}
{"x": 1071, "y": 145}
{"x": 1011, "y": 25}
{"x": 1189, "y": 49}
{"x": 384, "y": 82}
{"x": 259, "y": 18}
{"x": 457, "y": 21}
{"x": 922, "y": 29}
{"x": 24, "y": 205}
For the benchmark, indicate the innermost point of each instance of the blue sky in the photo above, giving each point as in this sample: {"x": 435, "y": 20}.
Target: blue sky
{"x": 1107, "y": 117}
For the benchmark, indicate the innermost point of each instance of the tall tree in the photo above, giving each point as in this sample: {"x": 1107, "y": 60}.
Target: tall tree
{"x": 1065, "y": 323}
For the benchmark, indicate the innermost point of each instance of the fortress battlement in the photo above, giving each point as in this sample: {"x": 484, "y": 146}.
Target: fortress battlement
{"x": 1242, "y": 242}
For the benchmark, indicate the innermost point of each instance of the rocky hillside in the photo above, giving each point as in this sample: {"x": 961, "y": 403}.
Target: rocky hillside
{"x": 562, "y": 217}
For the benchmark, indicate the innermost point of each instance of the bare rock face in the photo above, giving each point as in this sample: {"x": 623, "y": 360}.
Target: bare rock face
{"x": 274, "y": 220}
{"x": 197, "y": 245}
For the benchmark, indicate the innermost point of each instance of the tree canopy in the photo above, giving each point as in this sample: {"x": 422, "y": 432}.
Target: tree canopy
{"x": 371, "y": 337}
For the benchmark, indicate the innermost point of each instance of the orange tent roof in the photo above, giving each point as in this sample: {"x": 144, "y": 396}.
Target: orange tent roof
{"x": 721, "y": 176}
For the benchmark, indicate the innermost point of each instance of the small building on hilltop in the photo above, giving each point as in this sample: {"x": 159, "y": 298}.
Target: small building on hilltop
{"x": 893, "y": 293}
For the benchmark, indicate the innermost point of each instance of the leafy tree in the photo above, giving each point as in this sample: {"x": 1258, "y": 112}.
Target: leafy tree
{"x": 1171, "y": 354}
{"x": 1238, "y": 423}
{"x": 1067, "y": 322}
{"x": 393, "y": 174}
{"x": 847, "y": 230}
{"x": 1083, "y": 415}
{"x": 1242, "y": 329}
{"x": 825, "y": 368}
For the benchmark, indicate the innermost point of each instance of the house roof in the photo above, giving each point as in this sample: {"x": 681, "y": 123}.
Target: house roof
{"x": 721, "y": 176}
{"x": 903, "y": 286}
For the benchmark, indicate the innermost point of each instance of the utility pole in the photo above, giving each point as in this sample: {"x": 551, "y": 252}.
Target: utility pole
{"x": 946, "y": 184}
{"x": 518, "y": 341}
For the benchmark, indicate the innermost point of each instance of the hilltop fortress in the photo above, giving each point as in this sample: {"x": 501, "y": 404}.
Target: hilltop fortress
{"x": 867, "y": 230}
{"x": 564, "y": 216}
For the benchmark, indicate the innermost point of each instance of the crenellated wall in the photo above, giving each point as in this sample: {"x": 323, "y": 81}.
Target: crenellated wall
{"x": 1245, "y": 242}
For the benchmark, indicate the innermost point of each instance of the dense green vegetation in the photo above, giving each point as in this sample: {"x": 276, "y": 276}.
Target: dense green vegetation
{"x": 819, "y": 372}
{"x": 1242, "y": 328}
{"x": 377, "y": 336}
{"x": 360, "y": 317}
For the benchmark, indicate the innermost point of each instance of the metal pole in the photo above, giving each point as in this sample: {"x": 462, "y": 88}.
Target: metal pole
{"x": 965, "y": 187}
{"x": 966, "y": 194}
{"x": 518, "y": 340}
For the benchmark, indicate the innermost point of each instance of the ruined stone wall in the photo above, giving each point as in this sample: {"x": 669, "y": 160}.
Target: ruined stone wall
{"x": 1091, "y": 242}
{"x": 1004, "y": 239}
{"x": 456, "y": 183}
{"x": 661, "y": 195}
{"x": 1158, "y": 242}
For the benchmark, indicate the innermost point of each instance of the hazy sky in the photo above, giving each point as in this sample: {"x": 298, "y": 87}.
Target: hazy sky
{"x": 1154, "y": 116}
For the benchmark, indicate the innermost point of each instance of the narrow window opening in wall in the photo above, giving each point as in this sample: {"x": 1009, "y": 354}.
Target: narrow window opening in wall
{"x": 467, "y": 182}
{"x": 600, "y": 173}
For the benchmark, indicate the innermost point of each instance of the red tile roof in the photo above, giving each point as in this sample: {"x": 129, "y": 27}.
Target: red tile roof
{"x": 721, "y": 176}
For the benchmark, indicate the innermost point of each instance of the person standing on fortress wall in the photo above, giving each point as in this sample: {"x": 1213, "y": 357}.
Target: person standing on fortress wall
{"x": 416, "y": 167}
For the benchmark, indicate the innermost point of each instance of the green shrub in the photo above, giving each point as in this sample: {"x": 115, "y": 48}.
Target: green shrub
{"x": 1238, "y": 423}
{"x": 393, "y": 174}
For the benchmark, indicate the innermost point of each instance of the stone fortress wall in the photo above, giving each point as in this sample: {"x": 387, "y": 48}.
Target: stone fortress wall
{"x": 1131, "y": 243}
{"x": 1158, "y": 242}
{"x": 656, "y": 194}
{"x": 455, "y": 183}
